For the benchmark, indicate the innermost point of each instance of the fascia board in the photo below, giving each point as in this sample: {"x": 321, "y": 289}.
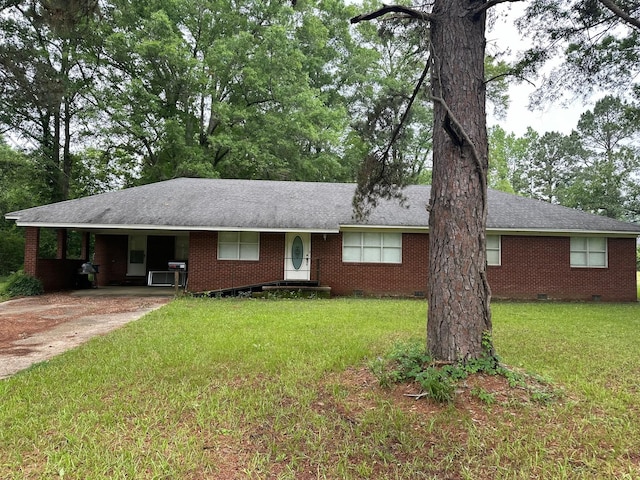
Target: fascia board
{"x": 200, "y": 228}
{"x": 385, "y": 228}
{"x": 561, "y": 233}
{"x": 344, "y": 227}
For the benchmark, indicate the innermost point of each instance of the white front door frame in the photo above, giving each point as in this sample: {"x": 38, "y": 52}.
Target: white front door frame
{"x": 297, "y": 256}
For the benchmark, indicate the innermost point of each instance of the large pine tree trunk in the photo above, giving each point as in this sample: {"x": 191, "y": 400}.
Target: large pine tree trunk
{"x": 459, "y": 312}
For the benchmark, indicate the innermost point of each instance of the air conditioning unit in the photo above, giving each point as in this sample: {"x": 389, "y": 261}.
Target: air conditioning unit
{"x": 166, "y": 278}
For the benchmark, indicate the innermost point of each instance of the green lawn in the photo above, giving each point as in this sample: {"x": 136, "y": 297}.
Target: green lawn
{"x": 276, "y": 389}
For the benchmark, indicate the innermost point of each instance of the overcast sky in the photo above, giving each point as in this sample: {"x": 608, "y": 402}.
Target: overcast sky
{"x": 555, "y": 117}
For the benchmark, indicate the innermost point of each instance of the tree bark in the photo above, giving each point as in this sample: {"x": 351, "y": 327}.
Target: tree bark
{"x": 459, "y": 317}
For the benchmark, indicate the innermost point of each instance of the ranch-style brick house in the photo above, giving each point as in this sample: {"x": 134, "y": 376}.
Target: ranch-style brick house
{"x": 240, "y": 233}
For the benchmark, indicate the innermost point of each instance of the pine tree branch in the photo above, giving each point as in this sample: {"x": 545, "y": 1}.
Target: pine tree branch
{"x": 619, "y": 12}
{"x": 416, "y": 90}
{"x": 509, "y": 74}
{"x": 492, "y": 3}
{"x": 406, "y": 11}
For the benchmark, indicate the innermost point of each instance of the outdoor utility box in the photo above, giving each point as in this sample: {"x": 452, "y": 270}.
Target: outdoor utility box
{"x": 181, "y": 266}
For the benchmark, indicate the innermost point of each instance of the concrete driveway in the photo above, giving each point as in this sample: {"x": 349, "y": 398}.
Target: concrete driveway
{"x": 35, "y": 329}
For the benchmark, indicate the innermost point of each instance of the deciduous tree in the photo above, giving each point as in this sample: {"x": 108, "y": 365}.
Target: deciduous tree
{"x": 233, "y": 89}
{"x": 44, "y": 75}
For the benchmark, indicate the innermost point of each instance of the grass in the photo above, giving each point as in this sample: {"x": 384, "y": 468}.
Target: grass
{"x": 275, "y": 389}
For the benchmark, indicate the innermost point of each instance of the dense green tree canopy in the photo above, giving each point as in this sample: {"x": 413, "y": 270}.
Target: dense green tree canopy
{"x": 144, "y": 91}
{"x": 596, "y": 168}
{"x": 606, "y": 178}
{"x": 232, "y": 89}
{"x": 46, "y": 69}
{"x": 598, "y": 41}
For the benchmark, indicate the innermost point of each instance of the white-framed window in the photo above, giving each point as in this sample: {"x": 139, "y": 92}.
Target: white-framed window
{"x": 238, "y": 245}
{"x": 372, "y": 247}
{"x": 589, "y": 252}
{"x": 494, "y": 243}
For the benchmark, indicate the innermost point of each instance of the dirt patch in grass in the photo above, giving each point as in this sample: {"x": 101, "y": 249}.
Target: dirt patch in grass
{"x": 24, "y": 317}
{"x": 472, "y": 397}
{"x": 34, "y": 329}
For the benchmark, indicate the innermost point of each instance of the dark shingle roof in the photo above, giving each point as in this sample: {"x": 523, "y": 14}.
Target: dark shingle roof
{"x": 209, "y": 204}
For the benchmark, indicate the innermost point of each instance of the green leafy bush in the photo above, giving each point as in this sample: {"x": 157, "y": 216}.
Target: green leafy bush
{"x": 408, "y": 362}
{"x": 402, "y": 364}
{"x": 11, "y": 251}
{"x": 21, "y": 285}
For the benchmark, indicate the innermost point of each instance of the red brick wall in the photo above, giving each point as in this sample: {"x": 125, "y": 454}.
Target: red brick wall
{"x": 531, "y": 266}
{"x": 407, "y": 278}
{"x": 540, "y": 266}
{"x": 58, "y": 274}
{"x": 206, "y": 272}
{"x": 55, "y": 274}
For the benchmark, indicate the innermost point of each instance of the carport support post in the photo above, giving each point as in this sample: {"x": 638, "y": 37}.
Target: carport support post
{"x": 176, "y": 279}
{"x": 86, "y": 242}
{"x": 31, "y": 250}
{"x": 63, "y": 240}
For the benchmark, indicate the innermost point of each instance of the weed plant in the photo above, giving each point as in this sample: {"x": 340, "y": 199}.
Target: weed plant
{"x": 408, "y": 362}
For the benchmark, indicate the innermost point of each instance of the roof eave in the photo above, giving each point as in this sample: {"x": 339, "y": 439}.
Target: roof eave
{"x": 321, "y": 230}
{"x": 403, "y": 228}
{"x": 562, "y": 232}
{"x": 193, "y": 228}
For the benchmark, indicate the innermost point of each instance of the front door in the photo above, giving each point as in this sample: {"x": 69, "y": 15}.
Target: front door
{"x": 137, "y": 258}
{"x": 297, "y": 256}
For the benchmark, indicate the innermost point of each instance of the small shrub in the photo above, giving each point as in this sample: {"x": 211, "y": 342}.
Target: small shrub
{"x": 21, "y": 285}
